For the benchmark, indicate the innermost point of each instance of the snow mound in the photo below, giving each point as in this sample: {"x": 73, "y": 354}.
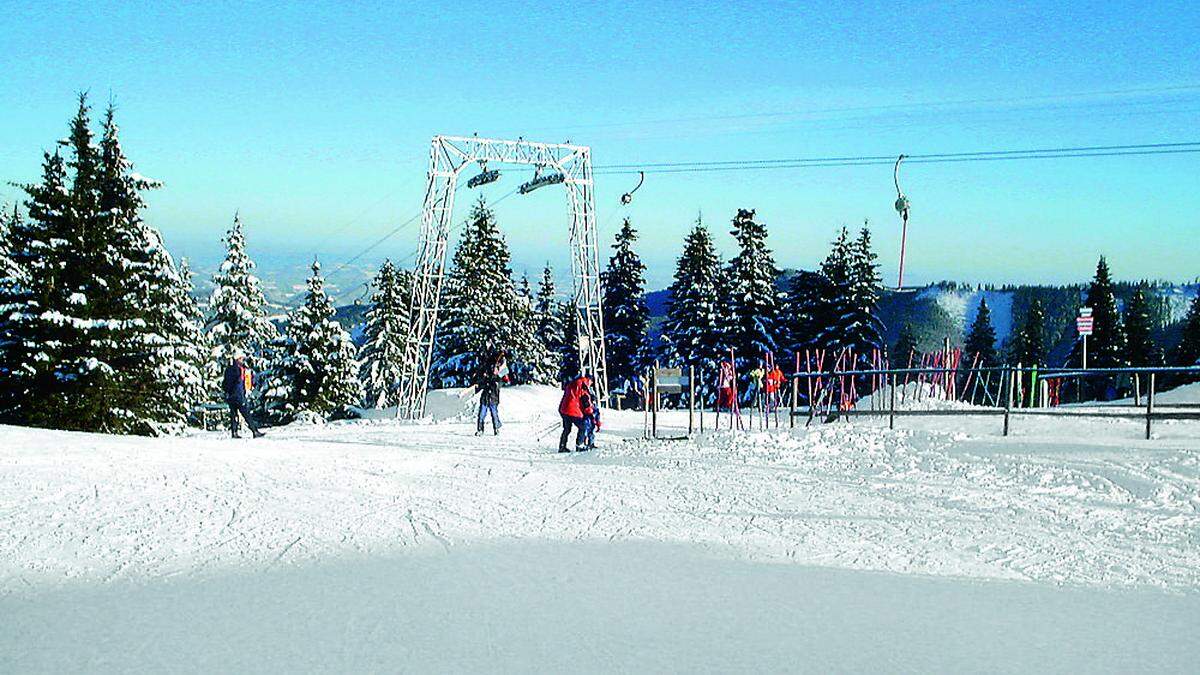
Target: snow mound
{"x": 522, "y": 403}
{"x": 912, "y": 396}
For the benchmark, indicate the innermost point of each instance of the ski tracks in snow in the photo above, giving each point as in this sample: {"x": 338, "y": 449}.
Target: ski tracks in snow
{"x": 83, "y": 507}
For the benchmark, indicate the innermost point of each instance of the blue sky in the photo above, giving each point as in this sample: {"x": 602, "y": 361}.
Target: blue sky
{"x": 314, "y": 121}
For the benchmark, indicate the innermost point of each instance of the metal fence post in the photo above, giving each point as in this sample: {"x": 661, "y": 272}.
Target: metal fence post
{"x": 691, "y": 396}
{"x": 892, "y": 412}
{"x": 795, "y": 395}
{"x": 1149, "y": 405}
{"x": 1008, "y": 402}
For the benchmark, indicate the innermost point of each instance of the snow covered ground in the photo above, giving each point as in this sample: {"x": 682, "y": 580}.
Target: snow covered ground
{"x": 380, "y": 545}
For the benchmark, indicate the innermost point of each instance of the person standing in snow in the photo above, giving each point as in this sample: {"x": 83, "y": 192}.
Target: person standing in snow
{"x": 487, "y": 383}
{"x": 775, "y": 380}
{"x": 725, "y": 386}
{"x": 237, "y": 383}
{"x": 591, "y": 418}
{"x": 575, "y": 406}
{"x": 754, "y": 394}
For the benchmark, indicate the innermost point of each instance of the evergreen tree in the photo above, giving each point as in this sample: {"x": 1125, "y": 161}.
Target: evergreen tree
{"x": 569, "y": 365}
{"x": 551, "y": 328}
{"x": 807, "y": 309}
{"x": 313, "y": 374}
{"x": 625, "y": 314}
{"x": 385, "y": 336}
{"x": 1140, "y": 348}
{"x": 1029, "y": 344}
{"x": 1187, "y": 352}
{"x": 482, "y": 311}
{"x": 906, "y": 345}
{"x": 97, "y": 333}
{"x": 35, "y": 289}
{"x": 753, "y": 299}
{"x": 239, "y": 320}
{"x": 848, "y": 314}
{"x": 1106, "y": 344}
{"x": 156, "y": 347}
{"x": 981, "y": 338}
{"x": 693, "y": 331}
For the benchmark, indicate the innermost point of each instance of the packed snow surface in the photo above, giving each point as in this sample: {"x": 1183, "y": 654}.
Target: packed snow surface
{"x": 382, "y": 545}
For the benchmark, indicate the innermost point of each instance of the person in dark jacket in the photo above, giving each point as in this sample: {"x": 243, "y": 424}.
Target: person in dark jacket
{"x": 487, "y": 383}
{"x": 575, "y": 407}
{"x": 237, "y": 383}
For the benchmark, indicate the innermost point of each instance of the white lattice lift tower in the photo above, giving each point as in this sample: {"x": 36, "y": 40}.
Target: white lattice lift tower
{"x": 555, "y": 162}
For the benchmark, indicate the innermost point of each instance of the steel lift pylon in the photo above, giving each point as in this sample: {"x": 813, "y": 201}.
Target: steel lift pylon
{"x": 448, "y": 157}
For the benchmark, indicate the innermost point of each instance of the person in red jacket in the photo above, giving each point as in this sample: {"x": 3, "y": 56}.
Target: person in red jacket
{"x": 575, "y": 406}
{"x": 775, "y": 380}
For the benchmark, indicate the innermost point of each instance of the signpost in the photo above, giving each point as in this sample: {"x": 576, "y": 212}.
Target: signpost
{"x": 1084, "y": 325}
{"x": 669, "y": 381}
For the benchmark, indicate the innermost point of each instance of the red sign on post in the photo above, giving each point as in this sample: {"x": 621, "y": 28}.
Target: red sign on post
{"x": 1083, "y": 324}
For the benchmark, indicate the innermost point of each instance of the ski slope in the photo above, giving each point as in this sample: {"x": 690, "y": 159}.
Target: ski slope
{"x": 380, "y": 545}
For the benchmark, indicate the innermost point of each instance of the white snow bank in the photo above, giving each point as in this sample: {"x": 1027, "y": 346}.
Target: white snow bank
{"x": 522, "y": 403}
{"x": 911, "y": 396}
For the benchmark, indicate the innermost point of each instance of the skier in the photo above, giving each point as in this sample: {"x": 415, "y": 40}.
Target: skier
{"x": 487, "y": 383}
{"x": 774, "y": 384}
{"x": 237, "y": 383}
{"x": 576, "y": 400}
{"x": 754, "y": 395}
{"x": 725, "y": 386}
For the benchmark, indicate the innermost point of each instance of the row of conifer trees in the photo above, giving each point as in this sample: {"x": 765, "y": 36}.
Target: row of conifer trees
{"x": 100, "y": 329}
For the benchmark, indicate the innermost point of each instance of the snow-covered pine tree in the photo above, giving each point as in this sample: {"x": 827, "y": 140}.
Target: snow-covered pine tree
{"x": 694, "y": 328}
{"x": 1140, "y": 348}
{"x": 482, "y": 311}
{"x": 1187, "y": 352}
{"x": 237, "y": 306}
{"x": 905, "y": 347}
{"x": 551, "y": 329}
{"x": 753, "y": 298}
{"x": 625, "y": 314}
{"x": 837, "y": 269}
{"x": 807, "y": 309}
{"x": 1106, "y": 344}
{"x": 158, "y": 352}
{"x": 95, "y": 337}
{"x": 981, "y": 338}
{"x": 313, "y": 374}
{"x": 1028, "y": 346}
{"x": 854, "y": 286}
{"x": 569, "y": 366}
{"x": 33, "y": 295}
{"x": 865, "y": 328}
{"x": 387, "y": 323}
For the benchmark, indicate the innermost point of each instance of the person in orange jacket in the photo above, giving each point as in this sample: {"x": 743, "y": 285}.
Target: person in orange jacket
{"x": 774, "y": 385}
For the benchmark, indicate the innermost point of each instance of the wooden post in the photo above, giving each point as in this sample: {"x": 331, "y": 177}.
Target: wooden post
{"x": 1008, "y": 402}
{"x": 892, "y": 413}
{"x": 1149, "y": 405}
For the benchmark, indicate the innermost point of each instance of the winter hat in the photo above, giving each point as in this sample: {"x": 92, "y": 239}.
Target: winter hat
{"x": 238, "y": 354}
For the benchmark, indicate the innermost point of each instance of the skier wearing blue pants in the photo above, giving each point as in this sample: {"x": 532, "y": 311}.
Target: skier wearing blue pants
{"x": 487, "y": 383}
